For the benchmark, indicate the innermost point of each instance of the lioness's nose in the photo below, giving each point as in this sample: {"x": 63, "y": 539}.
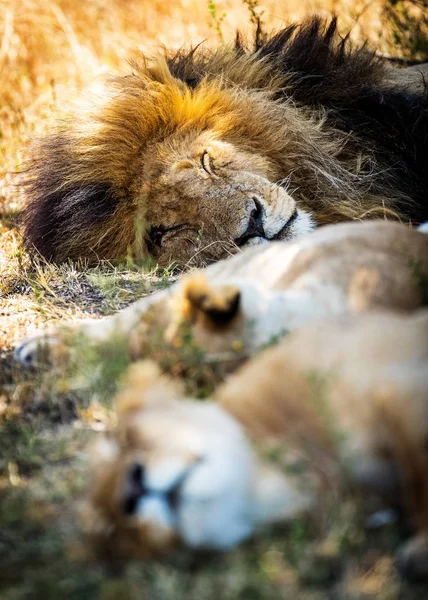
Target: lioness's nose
{"x": 134, "y": 489}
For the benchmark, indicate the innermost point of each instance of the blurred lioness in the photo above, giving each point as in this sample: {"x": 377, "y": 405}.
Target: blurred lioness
{"x": 344, "y": 394}
{"x": 346, "y": 400}
{"x": 255, "y": 296}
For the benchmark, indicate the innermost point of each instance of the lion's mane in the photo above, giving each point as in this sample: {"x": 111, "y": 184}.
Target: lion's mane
{"x": 347, "y": 144}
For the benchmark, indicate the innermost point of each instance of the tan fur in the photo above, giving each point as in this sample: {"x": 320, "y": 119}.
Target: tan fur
{"x": 341, "y": 269}
{"x": 108, "y": 526}
{"x": 347, "y": 398}
{"x": 365, "y": 380}
{"x": 343, "y": 396}
{"x": 217, "y": 305}
{"x": 370, "y": 364}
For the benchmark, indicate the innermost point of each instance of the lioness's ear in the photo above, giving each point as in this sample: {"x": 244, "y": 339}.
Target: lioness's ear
{"x": 218, "y": 303}
{"x": 145, "y": 384}
{"x": 276, "y": 497}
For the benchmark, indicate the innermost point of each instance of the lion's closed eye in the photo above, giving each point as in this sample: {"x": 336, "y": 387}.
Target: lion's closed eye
{"x": 160, "y": 233}
{"x": 155, "y": 235}
{"x": 207, "y": 163}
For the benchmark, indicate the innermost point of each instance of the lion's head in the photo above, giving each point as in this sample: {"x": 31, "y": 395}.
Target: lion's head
{"x": 183, "y": 175}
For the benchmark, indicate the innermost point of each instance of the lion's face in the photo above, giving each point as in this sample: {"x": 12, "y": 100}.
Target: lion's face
{"x": 206, "y": 199}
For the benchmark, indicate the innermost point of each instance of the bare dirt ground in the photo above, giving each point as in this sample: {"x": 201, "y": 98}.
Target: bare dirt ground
{"x": 48, "y": 50}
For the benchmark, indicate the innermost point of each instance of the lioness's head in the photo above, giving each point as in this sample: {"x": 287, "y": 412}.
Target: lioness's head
{"x": 177, "y": 472}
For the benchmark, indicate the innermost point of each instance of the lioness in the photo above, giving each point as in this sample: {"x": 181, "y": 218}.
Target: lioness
{"x": 195, "y": 154}
{"x": 260, "y": 293}
{"x": 346, "y": 400}
{"x": 177, "y": 469}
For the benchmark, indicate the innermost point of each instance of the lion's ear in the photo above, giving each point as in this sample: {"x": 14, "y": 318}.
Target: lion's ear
{"x": 276, "y": 497}
{"x": 218, "y": 304}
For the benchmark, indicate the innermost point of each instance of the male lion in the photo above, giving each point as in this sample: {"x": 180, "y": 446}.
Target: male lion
{"x": 198, "y": 153}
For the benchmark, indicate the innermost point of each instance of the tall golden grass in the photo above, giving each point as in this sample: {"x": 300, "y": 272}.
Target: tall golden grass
{"x": 51, "y": 48}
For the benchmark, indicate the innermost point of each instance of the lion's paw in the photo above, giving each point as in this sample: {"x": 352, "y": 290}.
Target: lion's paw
{"x": 42, "y": 348}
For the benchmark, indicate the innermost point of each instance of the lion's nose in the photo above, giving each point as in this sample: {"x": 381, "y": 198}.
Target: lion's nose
{"x": 255, "y": 224}
{"x": 256, "y": 217}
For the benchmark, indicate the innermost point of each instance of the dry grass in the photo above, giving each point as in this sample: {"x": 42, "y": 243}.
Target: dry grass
{"x": 48, "y": 51}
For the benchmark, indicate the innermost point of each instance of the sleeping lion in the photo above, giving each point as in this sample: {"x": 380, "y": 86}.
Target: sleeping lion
{"x": 342, "y": 403}
{"x": 196, "y": 154}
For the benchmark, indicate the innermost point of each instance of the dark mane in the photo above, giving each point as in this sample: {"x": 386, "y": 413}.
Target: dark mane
{"x": 324, "y": 71}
